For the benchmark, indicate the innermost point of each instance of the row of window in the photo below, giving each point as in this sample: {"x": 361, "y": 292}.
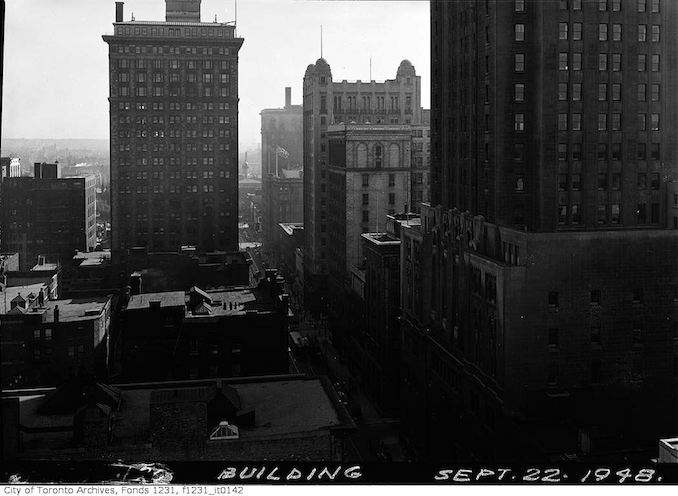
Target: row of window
{"x": 159, "y": 91}
{"x": 611, "y": 122}
{"x": 605, "y": 91}
{"x": 573, "y": 181}
{"x": 143, "y": 106}
{"x": 603, "y": 35}
{"x": 142, "y": 120}
{"x": 207, "y": 174}
{"x": 173, "y": 31}
{"x": 615, "y": 151}
{"x": 603, "y": 5}
{"x": 366, "y": 199}
{"x": 176, "y": 50}
{"x": 174, "y": 64}
{"x": 159, "y": 77}
{"x": 607, "y": 214}
{"x": 596, "y": 297}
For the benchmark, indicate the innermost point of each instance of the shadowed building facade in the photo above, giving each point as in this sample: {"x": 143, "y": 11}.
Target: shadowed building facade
{"x": 539, "y": 294}
{"x": 174, "y": 131}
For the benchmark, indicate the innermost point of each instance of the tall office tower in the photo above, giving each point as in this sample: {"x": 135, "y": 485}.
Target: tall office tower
{"x": 281, "y": 172}
{"x": 174, "y": 131}
{"x": 539, "y": 296}
{"x": 47, "y": 215}
{"x": 326, "y": 102}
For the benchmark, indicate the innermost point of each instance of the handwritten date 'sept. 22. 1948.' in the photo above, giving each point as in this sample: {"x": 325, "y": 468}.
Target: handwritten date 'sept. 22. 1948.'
{"x": 547, "y": 475}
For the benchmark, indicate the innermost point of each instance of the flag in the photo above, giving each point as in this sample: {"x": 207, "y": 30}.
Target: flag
{"x": 281, "y": 152}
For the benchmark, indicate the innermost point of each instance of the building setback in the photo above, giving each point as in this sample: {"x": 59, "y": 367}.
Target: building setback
{"x": 48, "y": 215}
{"x": 174, "y": 131}
{"x": 327, "y": 102}
{"x": 539, "y": 292}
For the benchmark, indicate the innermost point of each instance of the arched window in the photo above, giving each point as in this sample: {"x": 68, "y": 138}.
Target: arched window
{"x": 378, "y": 151}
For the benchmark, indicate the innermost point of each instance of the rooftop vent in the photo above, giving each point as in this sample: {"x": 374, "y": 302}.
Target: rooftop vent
{"x": 225, "y": 431}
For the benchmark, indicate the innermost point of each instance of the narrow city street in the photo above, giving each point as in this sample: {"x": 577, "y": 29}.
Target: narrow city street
{"x": 376, "y": 438}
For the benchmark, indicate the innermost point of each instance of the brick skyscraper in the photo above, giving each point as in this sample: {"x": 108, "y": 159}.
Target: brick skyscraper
{"x": 174, "y": 131}
{"x": 540, "y": 293}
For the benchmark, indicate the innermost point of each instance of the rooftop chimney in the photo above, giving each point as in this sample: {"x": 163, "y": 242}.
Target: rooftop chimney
{"x": 182, "y": 10}
{"x": 288, "y": 97}
{"x": 119, "y": 7}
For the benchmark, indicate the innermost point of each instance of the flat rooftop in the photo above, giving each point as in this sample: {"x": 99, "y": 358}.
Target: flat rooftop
{"x": 76, "y": 309}
{"x": 290, "y": 227}
{"x": 166, "y": 299}
{"x": 283, "y": 405}
{"x": 46, "y": 267}
{"x": 381, "y": 239}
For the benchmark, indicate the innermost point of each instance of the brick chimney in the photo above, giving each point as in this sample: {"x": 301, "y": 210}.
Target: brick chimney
{"x": 119, "y": 9}
{"x": 288, "y": 97}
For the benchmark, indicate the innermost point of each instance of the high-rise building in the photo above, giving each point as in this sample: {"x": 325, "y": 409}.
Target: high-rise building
{"x": 48, "y": 215}
{"x": 539, "y": 295}
{"x": 327, "y": 102}
{"x": 174, "y": 131}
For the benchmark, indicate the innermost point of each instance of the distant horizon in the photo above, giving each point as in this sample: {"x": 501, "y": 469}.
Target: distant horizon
{"x": 56, "y": 63}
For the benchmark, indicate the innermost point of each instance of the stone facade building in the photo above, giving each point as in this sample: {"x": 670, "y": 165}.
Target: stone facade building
{"x": 325, "y": 103}
{"x": 174, "y": 131}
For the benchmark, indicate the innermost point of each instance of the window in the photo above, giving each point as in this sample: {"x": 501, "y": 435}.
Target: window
{"x": 654, "y": 181}
{"x": 562, "y": 122}
{"x": 642, "y": 180}
{"x": 614, "y": 213}
{"x": 519, "y": 122}
{"x": 642, "y": 125}
{"x": 616, "y": 5}
{"x": 562, "y": 151}
{"x": 391, "y": 179}
{"x": 562, "y": 91}
{"x": 562, "y": 61}
{"x": 576, "y": 151}
{"x": 616, "y": 181}
{"x": 642, "y": 151}
{"x": 641, "y": 213}
{"x": 602, "y": 5}
{"x": 602, "y": 32}
{"x": 553, "y": 338}
{"x": 654, "y": 151}
{"x": 654, "y": 122}
{"x": 36, "y": 334}
{"x": 520, "y": 92}
{"x": 576, "y": 92}
{"x": 602, "y": 180}
{"x": 366, "y": 199}
{"x": 616, "y": 151}
{"x": 576, "y": 31}
{"x": 616, "y": 32}
{"x": 366, "y": 215}
{"x": 562, "y": 214}
{"x": 562, "y": 30}
{"x": 655, "y": 63}
{"x": 616, "y": 92}
{"x": 48, "y": 334}
{"x": 595, "y": 296}
{"x": 655, "y": 6}
{"x": 602, "y": 92}
{"x": 519, "y": 62}
{"x": 655, "y": 92}
{"x": 391, "y": 198}
{"x": 520, "y": 32}
{"x": 576, "y": 122}
{"x": 602, "y": 61}
{"x": 642, "y": 92}
{"x": 642, "y": 5}
{"x": 616, "y": 122}
{"x": 602, "y": 151}
{"x": 616, "y": 61}
{"x": 520, "y": 5}
{"x": 576, "y": 61}
{"x": 601, "y": 214}
{"x": 602, "y": 122}
{"x": 366, "y": 180}
{"x": 562, "y": 182}
{"x": 642, "y": 32}
{"x": 642, "y": 62}
{"x": 576, "y": 213}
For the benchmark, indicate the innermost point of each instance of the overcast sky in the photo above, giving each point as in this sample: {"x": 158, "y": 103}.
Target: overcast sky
{"x": 56, "y": 71}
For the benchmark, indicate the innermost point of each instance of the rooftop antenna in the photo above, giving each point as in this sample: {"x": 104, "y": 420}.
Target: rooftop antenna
{"x": 370, "y": 68}
{"x": 235, "y": 24}
{"x": 215, "y": 19}
{"x": 321, "y": 41}
{"x": 132, "y": 15}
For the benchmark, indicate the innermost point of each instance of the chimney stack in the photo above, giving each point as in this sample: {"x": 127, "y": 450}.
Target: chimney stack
{"x": 56, "y": 314}
{"x": 288, "y": 97}
{"x": 119, "y": 8}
